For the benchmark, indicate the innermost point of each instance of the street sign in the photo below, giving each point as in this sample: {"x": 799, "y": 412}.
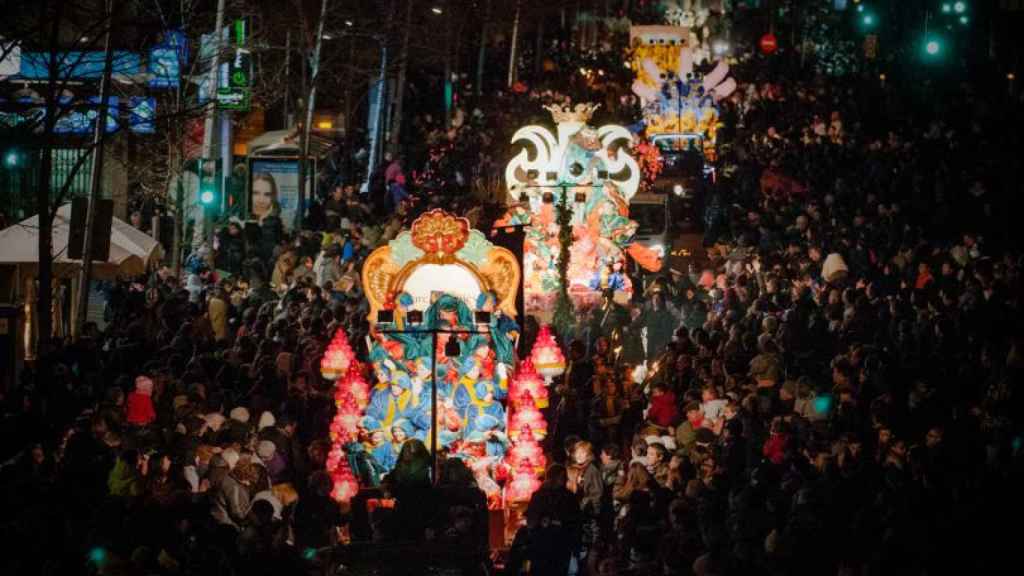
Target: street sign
{"x": 233, "y": 99}
{"x": 240, "y": 69}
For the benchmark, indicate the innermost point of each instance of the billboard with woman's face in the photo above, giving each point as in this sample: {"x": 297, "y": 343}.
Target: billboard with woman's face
{"x": 274, "y": 189}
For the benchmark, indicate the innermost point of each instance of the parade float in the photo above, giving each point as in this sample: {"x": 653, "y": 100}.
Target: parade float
{"x": 443, "y": 365}
{"x": 679, "y": 103}
{"x": 574, "y": 186}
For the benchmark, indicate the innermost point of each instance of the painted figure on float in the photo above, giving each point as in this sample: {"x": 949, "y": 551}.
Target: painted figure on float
{"x": 592, "y": 170}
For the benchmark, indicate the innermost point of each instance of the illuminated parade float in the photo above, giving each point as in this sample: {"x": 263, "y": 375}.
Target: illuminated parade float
{"x": 679, "y": 104}
{"x": 590, "y": 173}
{"x": 443, "y": 365}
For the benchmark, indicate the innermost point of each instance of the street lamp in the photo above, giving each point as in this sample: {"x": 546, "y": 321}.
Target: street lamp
{"x": 436, "y": 10}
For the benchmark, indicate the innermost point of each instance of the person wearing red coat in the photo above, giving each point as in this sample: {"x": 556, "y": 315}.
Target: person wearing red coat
{"x": 662, "y": 411}
{"x": 139, "y": 405}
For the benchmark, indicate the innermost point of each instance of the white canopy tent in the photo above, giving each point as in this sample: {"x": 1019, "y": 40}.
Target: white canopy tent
{"x": 132, "y": 252}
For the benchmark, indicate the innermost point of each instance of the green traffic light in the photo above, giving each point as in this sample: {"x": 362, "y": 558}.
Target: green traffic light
{"x": 206, "y": 196}
{"x": 960, "y": 7}
{"x": 964, "y": 20}
{"x": 946, "y": 8}
{"x": 860, "y": 7}
{"x": 932, "y": 47}
{"x": 11, "y": 159}
{"x": 868, "y": 20}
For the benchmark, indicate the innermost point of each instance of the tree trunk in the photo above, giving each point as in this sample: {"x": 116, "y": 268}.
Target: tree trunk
{"x": 308, "y": 120}
{"x": 403, "y": 59}
{"x": 481, "y": 56}
{"x": 44, "y": 299}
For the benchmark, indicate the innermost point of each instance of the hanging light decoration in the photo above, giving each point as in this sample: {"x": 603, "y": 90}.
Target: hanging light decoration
{"x": 528, "y": 456}
{"x": 337, "y": 357}
{"x": 547, "y": 356}
{"x": 351, "y": 395}
{"x": 522, "y": 487}
{"x": 528, "y": 387}
{"x": 527, "y": 422}
{"x": 345, "y": 484}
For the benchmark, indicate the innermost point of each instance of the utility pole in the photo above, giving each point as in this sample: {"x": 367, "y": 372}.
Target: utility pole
{"x": 307, "y": 124}
{"x": 95, "y": 178}
{"x": 211, "y": 114}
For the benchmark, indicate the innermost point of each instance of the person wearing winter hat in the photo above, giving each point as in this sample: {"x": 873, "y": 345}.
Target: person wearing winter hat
{"x": 139, "y": 406}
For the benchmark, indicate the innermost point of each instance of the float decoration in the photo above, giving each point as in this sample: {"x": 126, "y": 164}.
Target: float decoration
{"x": 438, "y": 284}
{"x": 351, "y": 394}
{"x": 674, "y": 97}
{"x": 573, "y": 188}
{"x": 547, "y": 356}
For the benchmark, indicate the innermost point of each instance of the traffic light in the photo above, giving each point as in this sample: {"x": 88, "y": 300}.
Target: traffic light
{"x": 12, "y": 159}
{"x": 866, "y": 17}
{"x": 932, "y": 46}
{"x": 209, "y": 190}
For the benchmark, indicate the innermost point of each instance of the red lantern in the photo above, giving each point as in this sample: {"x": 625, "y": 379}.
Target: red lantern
{"x": 528, "y": 456}
{"x": 527, "y": 422}
{"x": 528, "y": 387}
{"x": 522, "y": 487}
{"x": 769, "y": 44}
{"x": 547, "y": 356}
{"x": 345, "y": 484}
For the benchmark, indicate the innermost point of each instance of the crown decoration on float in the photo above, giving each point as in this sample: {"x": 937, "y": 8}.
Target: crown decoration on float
{"x": 580, "y": 113}
{"x": 439, "y": 233}
{"x": 547, "y": 357}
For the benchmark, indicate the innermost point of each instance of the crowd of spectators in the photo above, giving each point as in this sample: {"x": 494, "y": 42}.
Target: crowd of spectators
{"x": 837, "y": 393}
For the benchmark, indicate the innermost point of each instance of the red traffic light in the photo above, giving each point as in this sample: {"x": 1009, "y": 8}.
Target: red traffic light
{"x": 768, "y": 44}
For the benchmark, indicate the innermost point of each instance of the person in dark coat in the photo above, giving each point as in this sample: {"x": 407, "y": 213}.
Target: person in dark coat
{"x": 231, "y": 254}
{"x": 553, "y": 521}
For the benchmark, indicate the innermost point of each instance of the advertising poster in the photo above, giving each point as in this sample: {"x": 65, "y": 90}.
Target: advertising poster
{"x": 274, "y": 188}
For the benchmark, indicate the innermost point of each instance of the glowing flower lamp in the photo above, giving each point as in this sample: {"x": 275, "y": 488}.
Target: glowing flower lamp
{"x": 345, "y": 484}
{"x": 337, "y": 358}
{"x": 522, "y": 487}
{"x": 527, "y": 422}
{"x": 527, "y": 455}
{"x": 547, "y": 356}
{"x": 528, "y": 387}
